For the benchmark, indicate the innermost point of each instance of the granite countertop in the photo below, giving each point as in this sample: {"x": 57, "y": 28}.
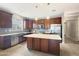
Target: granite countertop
{"x": 12, "y": 33}
{"x": 45, "y": 36}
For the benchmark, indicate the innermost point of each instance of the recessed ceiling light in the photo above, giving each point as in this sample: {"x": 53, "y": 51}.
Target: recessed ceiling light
{"x": 36, "y": 18}
{"x": 48, "y": 3}
{"x": 36, "y": 6}
{"x": 48, "y": 17}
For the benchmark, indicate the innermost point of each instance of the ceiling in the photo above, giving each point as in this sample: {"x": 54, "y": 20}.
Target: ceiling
{"x": 40, "y": 10}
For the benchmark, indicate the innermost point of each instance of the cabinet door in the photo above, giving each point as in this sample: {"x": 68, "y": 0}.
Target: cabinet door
{"x": 58, "y": 21}
{"x": 21, "y": 38}
{"x": 55, "y": 20}
{"x": 44, "y": 45}
{"x": 54, "y": 47}
{"x": 5, "y": 20}
{"x": 36, "y": 44}
{"x": 29, "y": 43}
{"x": 1, "y": 41}
{"x": 6, "y": 42}
{"x": 30, "y": 24}
{"x": 26, "y": 24}
{"x": 47, "y": 23}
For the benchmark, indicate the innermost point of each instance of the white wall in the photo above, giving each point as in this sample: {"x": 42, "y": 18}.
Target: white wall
{"x": 72, "y": 31}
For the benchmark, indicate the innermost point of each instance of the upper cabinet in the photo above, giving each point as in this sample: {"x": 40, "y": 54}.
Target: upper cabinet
{"x": 47, "y": 23}
{"x": 55, "y": 20}
{"x": 5, "y": 19}
{"x": 28, "y": 24}
{"x": 41, "y": 21}
{"x": 38, "y": 24}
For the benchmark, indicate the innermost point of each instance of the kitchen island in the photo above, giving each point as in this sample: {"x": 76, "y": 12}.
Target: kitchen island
{"x": 49, "y": 43}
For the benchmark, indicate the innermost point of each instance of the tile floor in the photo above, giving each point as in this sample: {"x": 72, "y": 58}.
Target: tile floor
{"x": 67, "y": 49}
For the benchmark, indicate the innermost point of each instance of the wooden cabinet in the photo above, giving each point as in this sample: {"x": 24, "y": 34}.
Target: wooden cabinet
{"x": 58, "y": 20}
{"x": 5, "y": 20}
{"x": 29, "y": 43}
{"x": 47, "y": 23}
{"x": 41, "y": 21}
{"x": 54, "y": 47}
{"x": 44, "y": 45}
{"x": 21, "y": 38}
{"x": 33, "y": 43}
{"x": 55, "y": 20}
{"x": 5, "y": 42}
{"x": 38, "y": 22}
{"x": 36, "y": 44}
{"x": 8, "y": 41}
{"x": 29, "y": 24}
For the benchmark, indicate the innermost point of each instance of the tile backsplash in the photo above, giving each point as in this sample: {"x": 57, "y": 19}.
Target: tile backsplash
{"x": 8, "y": 30}
{"x": 4, "y": 30}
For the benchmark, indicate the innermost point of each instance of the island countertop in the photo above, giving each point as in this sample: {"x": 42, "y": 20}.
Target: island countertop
{"x": 44, "y": 36}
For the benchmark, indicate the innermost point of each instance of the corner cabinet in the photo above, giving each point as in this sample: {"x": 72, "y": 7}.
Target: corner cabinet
{"x": 5, "y": 19}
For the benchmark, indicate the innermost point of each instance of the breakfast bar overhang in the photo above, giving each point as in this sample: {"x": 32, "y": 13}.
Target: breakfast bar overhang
{"x": 49, "y": 43}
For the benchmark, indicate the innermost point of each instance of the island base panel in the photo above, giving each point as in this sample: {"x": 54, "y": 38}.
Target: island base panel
{"x": 29, "y": 43}
{"x": 36, "y": 44}
{"x": 54, "y": 47}
{"x": 44, "y": 45}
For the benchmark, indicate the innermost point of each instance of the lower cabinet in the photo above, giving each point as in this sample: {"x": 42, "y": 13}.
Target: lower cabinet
{"x": 44, "y": 45}
{"x": 11, "y": 40}
{"x": 21, "y": 38}
{"x": 5, "y": 42}
{"x": 36, "y": 44}
{"x": 29, "y": 43}
{"x": 54, "y": 47}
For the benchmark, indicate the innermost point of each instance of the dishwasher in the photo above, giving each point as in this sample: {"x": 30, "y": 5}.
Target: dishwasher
{"x": 14, "y": 40}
